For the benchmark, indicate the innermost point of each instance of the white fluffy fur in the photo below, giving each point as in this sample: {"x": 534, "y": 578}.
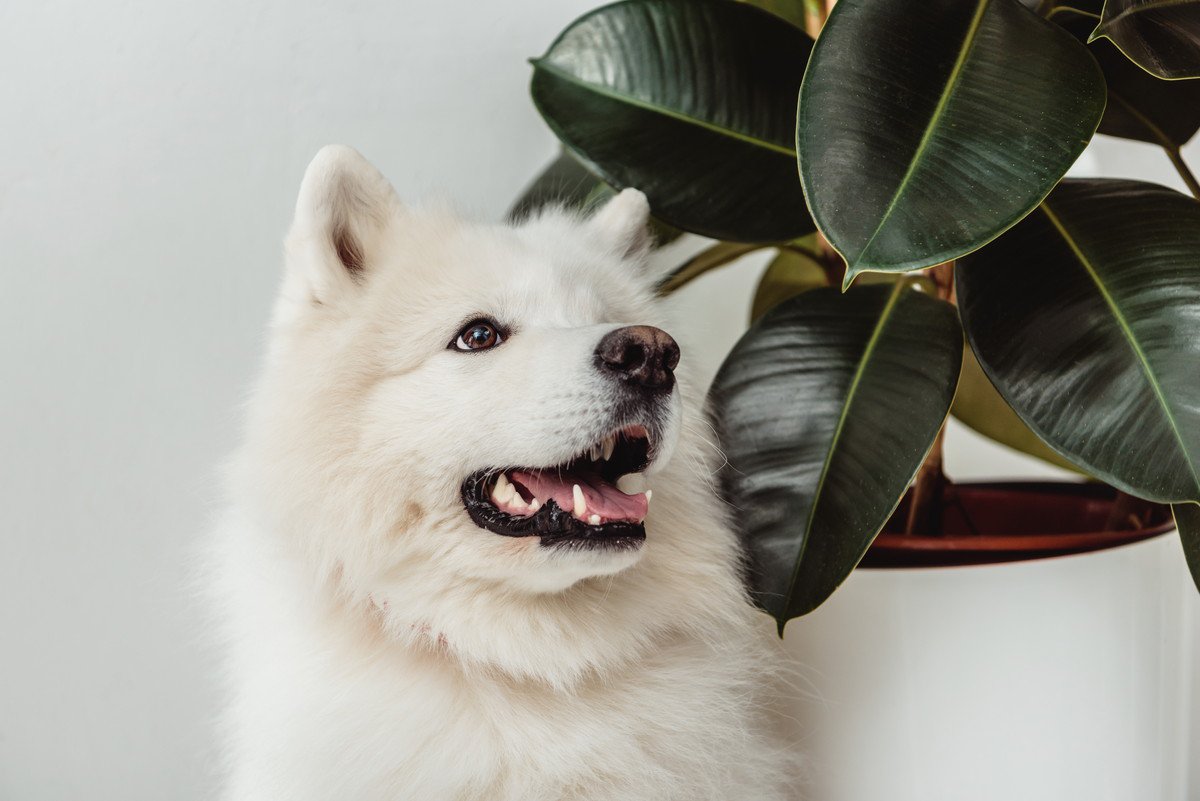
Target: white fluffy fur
{"x": 380, "y": 645}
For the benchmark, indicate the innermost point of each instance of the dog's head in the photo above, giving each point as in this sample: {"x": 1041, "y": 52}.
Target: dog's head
{"x": 450, "y": 405}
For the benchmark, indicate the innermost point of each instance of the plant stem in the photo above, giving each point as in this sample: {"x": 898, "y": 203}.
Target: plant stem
{"x": 928, "y": 493}
{"x": 1128, "y": 512}
{"x": 1164, "y": 141}
{"x": 710, "y": 258}
{"x": 928, "y": 500}
{"x": 722, "y": 253}
{"x": 942, "y": 276}
{"x": 814, "y": 16}
{"x": 803, "y": 251}
{"x": 1184, "y": 171}
{"x": 833, "y": 264}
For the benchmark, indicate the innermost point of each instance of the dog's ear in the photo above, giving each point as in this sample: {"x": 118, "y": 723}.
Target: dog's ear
{"x": 343, "y": 214}
{"x": 624, "y": 222}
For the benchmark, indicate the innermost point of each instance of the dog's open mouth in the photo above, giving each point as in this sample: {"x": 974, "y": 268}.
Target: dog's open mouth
{"x": 577, "y": 503}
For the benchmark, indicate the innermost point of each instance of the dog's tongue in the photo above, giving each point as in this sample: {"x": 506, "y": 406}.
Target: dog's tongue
{"x": 601, "y": 497}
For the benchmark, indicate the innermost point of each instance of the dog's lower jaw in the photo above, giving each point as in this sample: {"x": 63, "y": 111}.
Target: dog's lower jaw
{"x": 567, "y": 568}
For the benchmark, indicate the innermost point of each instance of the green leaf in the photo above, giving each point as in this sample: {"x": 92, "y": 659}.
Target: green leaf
{"x": 564, "y": 181}
{"x": 826, "y": 408}
{"x": 792, "y": 273}
{"x": 1187, "y": 520}
{"x": 789, "y": 274}
{"x": 694, "y": 103}
{"x": 1085, "y": 318}
{"x": 1160, "y": 36}
{"x": 978, "y": 405}
{"x": 568, "y": 183}
{"x": 1140, "y": 106}
{"x": 928, "y": 127}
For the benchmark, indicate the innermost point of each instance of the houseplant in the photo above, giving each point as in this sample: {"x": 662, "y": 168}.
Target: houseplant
{"x": 907, "y": 167}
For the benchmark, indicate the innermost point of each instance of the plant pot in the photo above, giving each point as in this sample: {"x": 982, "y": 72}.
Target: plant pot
{"x": 1010, "y": 521}
{"x": 1037, "y": 680}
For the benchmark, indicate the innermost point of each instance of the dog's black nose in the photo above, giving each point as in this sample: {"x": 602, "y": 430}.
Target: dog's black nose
{"x": 640, "y": 354}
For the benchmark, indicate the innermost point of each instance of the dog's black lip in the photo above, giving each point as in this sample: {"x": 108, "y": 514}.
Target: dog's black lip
{"x": 556, "y": 527}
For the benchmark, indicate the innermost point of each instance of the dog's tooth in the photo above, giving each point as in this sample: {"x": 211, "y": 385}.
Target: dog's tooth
{"x": 506, "y": 491}
{"x": 534, "y": 505}
{"x": 594, "y": 520}
{"x": 580, "y": 503}
{"x": 649, "y": 494}
{"x": 516, "y": 501}
{"x": 594, "y": 452}
{"x": 610, "y": 444}
{"x": 501, "y": 491}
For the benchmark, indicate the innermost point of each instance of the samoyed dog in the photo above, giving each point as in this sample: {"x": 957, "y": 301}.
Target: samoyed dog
{"x": 473, "y": 548}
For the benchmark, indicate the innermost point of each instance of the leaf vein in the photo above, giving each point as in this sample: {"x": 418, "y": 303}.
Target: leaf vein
{"x": 934, "y": 119}
{"x": 1127, "y": 330}
{"x": 664, "y": 111}
{"x": 859, "y": 370}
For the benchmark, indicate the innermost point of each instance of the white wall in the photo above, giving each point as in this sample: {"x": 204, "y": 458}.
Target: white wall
{"x": 151, "y": 152}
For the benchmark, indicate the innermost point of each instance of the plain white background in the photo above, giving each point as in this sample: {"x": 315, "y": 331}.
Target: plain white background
{"x": 151, "y": 153}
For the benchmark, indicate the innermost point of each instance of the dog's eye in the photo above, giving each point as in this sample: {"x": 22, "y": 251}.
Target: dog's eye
{"x": 478, "y": 335}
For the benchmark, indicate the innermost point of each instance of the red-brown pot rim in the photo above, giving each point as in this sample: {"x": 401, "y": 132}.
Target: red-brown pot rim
{"x": 1073, "y": 513}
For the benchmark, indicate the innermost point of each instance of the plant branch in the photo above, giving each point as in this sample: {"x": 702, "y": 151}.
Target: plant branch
{"x": 1164, "y": 141}
{"x": 927, "y": 503}
{"x": 1184, "y": 171}
{"x": 1128, "y": 512}
{"x": 928, "y": 500}
{"x": 942, "y": 276}
{"x": 1044, "y": 8}
{"x": 710, "y": 258}
{"x": 800, "y": 249}
{"x": 722, "y": 253}
{"x": 832, "y": 263}
{"x": 815, "y": 14}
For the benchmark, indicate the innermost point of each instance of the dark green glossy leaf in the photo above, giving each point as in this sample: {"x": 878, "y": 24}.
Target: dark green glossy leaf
{"x": 826, "y": 408}
{"x": 1160, "y": 36}
{"x": 978, "y": 405}
{"x": 1187, "y": 520}
{"x": 1140, "y": 106}
{"x": 928, "y": 127}
{"x": 694, "y": 103}
{"x": 1086, "y": 318}
{"x": 789, "y": 274}
{"x": 564, "y": 181}
{"x": 793, "y": 273}
{"x": 568, "y": 183}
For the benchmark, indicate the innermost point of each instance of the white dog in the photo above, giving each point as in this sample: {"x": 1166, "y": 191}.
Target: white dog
{"x": 432, "y": 586}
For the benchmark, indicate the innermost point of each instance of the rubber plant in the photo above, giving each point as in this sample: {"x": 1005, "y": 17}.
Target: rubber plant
{"x": 907, "y": 169}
